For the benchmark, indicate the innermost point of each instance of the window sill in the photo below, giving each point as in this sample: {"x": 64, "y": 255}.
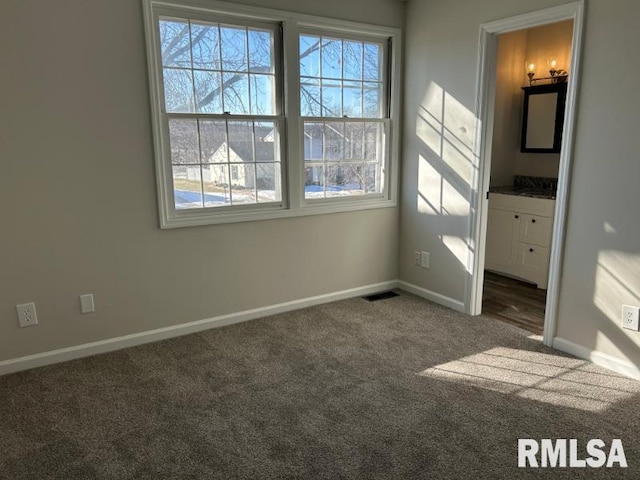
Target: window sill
{"x": 195, "y": 218}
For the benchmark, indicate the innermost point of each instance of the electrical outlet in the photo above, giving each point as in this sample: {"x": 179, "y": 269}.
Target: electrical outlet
{"x": 425, "y": 259}
{"x": 27, "y": 314}
{"x": 631, "y": 317}
{"x": 417, "y": 258}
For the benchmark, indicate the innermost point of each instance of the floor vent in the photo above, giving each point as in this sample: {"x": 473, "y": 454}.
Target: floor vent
{"x": 380, "y": 296}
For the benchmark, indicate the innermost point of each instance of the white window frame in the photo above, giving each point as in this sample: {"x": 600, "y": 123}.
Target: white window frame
{"x": 293, "y": 202}
{"x": 383, "y": 120}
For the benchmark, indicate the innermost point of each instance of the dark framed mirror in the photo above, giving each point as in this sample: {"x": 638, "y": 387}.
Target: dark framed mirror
{"x": 543, "y": 118}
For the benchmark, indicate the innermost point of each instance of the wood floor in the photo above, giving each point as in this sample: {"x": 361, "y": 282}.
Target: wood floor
{"x": 513, "y": 301}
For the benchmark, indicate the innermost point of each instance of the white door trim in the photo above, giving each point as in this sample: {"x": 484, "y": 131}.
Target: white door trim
{"x": 485, "y": 94}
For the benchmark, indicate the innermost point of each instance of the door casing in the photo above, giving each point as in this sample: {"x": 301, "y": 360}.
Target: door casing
{"x": 485, "y": 96}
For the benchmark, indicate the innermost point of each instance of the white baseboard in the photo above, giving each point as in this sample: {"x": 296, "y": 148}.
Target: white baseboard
{"x": 104, "y": 346}
{"x": 452, "y": 303}
{"x": 605, "y": 360}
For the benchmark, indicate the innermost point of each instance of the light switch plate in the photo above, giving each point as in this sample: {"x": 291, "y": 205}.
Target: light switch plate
{"x": 425, "y": 259}
{"x": 86, "y": 303}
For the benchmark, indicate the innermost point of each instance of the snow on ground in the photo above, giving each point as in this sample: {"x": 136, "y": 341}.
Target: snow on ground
{"x": 185, "y": 199}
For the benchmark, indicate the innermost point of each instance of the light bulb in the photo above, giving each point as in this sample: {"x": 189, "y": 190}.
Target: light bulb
{"x": 553, "y": 63}
{"x": 530, "y": 67}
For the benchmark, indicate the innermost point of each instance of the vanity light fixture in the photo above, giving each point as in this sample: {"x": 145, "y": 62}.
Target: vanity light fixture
{"x": 531, "y": 71}
{"x": 556, "y": 75}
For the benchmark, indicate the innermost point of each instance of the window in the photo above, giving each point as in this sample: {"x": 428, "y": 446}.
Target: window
{"x": 219, "y": 98}
{"x": 218, "y": 83}
{"x": 342, "y": 104}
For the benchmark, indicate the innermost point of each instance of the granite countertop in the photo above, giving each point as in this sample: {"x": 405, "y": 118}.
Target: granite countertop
{"x": 526, "y": 186}
{"x": 535, "y": 193}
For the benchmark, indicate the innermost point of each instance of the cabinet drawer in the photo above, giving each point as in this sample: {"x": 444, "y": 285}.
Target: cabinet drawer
{"x": 536, "y": 206}
{"x": 533, "y": 263}
{"x": 535, "y": 229}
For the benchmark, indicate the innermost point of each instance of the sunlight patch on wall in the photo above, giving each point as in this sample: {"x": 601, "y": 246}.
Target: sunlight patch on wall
{"x": 617, "y": 283}
{"x": 457, "y": 158}
{"x": 459, "y": 128}
{"x": 436, "y": 195}
{"x": 542, "y": 377}
{"x": 430, "y": 188}
{"x": 446, "y": 166}
{"x": 433, "y": 103}
{"x": 447, "y": 128}
{"x": 453, "y": 203}
{"x": 445, "y": 170}
{"x": 428, "y": 129}
{"x": 458, "y": 247}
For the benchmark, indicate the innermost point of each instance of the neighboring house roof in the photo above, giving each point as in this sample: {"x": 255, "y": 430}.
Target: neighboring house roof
{"x": 243, "y": 152}
{"x": 269, "y": 137}
{"x": 213, "y": 142}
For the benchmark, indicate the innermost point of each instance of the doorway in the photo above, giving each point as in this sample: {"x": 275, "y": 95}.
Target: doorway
{"x": 532, "y": 69}
{"x": 485, "y": 106}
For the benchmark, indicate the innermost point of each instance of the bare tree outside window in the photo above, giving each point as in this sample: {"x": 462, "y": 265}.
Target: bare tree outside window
{"x": 217, "y": 72}
{"x": 222, "y": 82}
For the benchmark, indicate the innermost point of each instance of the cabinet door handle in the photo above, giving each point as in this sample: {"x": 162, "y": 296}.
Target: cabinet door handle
{"x": 533, "y": 220}
{"x": 517, "y": 216}
{"x": 531, "y": 250}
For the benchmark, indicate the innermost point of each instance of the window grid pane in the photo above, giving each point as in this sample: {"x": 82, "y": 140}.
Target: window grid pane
{"x": 343, "y": 158}
{"x": 216, "y": 68}
{"x": 340, "y": 78}
{"x": 221, "y": 162}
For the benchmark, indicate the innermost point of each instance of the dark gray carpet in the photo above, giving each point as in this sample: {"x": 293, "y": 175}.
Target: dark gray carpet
{"x": 399, "y": 388}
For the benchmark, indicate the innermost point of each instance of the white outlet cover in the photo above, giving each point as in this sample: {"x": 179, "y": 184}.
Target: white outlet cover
{"x": 631, "y": 317}
{"x": 27, "y": 314}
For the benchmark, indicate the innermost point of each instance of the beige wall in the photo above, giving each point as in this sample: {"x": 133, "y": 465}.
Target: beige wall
{"x": 602, "y": 258}
{"x": 602, "y": 249}
{"x": 78, "y": 192}
{"x": 507, "y": 123}
{"x": 545, "y": 42}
